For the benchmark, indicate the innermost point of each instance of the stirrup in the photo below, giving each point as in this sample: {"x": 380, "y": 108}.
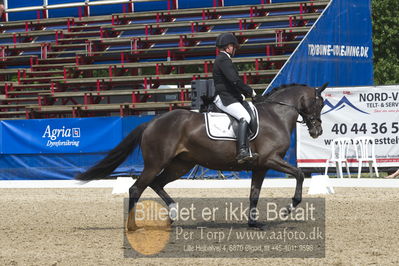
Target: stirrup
{"x": 254, "y": 155}
{"x": 245, "y": 158}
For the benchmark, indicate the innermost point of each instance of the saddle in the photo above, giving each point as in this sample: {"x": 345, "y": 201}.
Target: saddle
{"x": 221, "y": 126}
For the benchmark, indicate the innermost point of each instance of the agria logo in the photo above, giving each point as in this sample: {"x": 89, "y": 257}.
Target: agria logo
{"x": 63, "y": 136}
{"x": 343, "y": 103}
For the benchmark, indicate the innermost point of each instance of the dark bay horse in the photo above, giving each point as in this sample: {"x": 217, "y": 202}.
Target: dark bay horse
{"x": 176, "y": 141}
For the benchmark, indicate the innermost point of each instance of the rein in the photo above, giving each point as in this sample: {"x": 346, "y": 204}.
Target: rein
{"x": 306, "y": 119}
{"x": 288, "y": 105}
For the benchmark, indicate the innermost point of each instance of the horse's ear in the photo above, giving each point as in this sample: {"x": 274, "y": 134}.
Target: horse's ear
{"x": 322, "y": 88}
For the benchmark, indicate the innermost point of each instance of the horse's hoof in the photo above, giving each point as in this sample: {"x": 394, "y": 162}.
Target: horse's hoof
{"x": 131, "y": 227}
{"x": 173, "y": 212}
{"x": 287, "y": 211}
{"x": 256, "y": 225}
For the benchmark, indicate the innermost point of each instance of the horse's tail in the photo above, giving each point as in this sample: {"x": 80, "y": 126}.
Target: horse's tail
{"x": 115, "y": 157}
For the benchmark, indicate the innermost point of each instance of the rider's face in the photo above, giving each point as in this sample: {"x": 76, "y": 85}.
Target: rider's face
{"x": 231, "y": 49}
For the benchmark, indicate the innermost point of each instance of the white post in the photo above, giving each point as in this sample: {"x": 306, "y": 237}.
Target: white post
{"x": 5, "y": 8}
{"x": 45, "y": 4}
{"x": 132, "y": 5}
{"x": 87, "y": 5}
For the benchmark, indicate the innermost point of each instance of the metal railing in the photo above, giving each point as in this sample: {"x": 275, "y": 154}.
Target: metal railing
{"x": 85, "y": 3}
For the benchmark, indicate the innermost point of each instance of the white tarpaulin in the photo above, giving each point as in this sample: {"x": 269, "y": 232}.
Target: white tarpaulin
{"x": 354, "y": 112}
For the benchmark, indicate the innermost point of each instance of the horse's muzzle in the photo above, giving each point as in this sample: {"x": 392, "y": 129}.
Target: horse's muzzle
{"x": 316, "y": 132}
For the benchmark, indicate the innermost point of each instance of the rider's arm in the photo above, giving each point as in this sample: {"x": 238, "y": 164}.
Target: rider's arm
{"x": 231, "y": 75}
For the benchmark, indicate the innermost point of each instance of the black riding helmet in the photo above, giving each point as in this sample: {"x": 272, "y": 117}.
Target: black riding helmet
{"x": 225, "y": 39}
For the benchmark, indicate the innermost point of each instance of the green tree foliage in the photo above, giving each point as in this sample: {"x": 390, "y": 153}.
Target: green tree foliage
{"x": 386, "y": 41}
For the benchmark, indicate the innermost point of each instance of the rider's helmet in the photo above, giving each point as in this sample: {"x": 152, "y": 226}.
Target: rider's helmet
{"x": 225, "y": 39}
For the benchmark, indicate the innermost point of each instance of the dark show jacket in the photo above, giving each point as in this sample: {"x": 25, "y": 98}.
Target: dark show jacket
{"x": 228, "y": 84}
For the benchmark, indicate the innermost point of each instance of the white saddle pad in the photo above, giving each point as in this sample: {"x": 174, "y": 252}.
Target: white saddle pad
{"x": 219, "y": 125}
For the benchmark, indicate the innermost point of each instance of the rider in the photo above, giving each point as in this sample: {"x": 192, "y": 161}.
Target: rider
{"x": 229, "y": 89}
{"x": 1, "y": 9}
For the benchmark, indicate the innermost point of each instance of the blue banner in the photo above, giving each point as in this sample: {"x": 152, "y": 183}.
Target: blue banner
{"x": 61, "y": 148}
{"x": 47, "y": 136}
{"x": 337, "y": 50}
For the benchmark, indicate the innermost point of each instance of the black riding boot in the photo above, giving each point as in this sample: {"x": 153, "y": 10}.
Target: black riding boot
{"x": 243, "y": 154}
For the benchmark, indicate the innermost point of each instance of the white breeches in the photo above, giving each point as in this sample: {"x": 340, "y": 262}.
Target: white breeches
{"x": 236, "y": 110}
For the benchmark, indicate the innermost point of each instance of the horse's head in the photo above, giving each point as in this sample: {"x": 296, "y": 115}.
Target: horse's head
{"x": 310, "y": 110}
{"x": 306, "y": 101}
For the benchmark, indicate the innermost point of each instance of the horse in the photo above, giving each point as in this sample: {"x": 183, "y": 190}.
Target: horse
{"x": 174, "y": 142}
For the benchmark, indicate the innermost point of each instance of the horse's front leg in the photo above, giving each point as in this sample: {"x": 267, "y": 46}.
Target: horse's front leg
{"x": 256, "y": 185}
{"x": 278, "y": 164}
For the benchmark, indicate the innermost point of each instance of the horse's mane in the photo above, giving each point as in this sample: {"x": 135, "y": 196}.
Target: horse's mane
{"x": 262, "y": 98}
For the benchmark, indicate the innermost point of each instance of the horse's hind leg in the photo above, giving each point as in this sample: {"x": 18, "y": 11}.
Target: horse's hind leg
{"x": 174, "y": 171}
{"x": 135, "y": 192}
